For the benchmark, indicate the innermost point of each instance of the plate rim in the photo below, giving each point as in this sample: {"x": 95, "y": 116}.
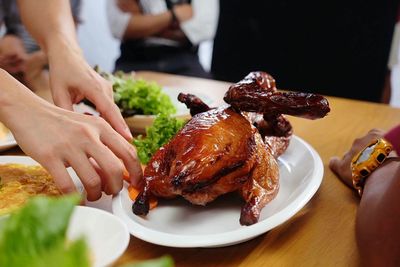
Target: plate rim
{"x": 4, "y": 145}
{"x": 227, "y": 238}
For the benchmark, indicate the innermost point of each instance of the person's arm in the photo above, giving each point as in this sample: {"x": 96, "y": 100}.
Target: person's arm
{"x": 203, "y": 24}
{"x": 378, "y": 216}
{"x": 71, "y": 78}
{"x": 58, "y": 138}
{"x": 141, "y": 26}
{"x": 126, "y": 23}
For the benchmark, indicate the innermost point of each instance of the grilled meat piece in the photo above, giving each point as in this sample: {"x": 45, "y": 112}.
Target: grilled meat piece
{"x": 230, "y": 148}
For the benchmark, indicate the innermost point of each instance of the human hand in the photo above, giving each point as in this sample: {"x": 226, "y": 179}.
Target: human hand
{"x": 183, "y": 12}
{"x": 173, "y": 34}
{"x": 12, "y": 54}
{"x": 72, "y": 80}
{"x": 58, "y": 138}
{"x": 128, "y": 6}
{"x": 34, "y": 66}
{"x": 341, "y": 167}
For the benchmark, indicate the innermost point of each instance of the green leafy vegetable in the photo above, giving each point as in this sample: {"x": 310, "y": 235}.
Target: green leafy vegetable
{"x": 139, "y": 96}
{"x": 165, "y": 261}
{"x": 35, "y": 235}
{"x": 163, "y": 129}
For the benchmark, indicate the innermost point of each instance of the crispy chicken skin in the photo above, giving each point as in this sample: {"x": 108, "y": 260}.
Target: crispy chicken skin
{"x": 230, "y": 148}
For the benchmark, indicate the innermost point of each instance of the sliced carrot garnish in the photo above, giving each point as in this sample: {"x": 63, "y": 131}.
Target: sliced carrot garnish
{"x": 134, "y": 192}
{"x": 125, "y": 176}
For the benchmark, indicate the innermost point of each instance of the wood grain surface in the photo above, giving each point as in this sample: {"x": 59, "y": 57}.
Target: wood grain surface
{"x": 322, "y": 233}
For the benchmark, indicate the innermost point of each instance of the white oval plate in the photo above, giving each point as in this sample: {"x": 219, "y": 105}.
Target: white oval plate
{"x": 177, "y": 223}
{"x": 139, "y": 123}
{"x": 7, "y": 140}
{"x": 106, "y": 235}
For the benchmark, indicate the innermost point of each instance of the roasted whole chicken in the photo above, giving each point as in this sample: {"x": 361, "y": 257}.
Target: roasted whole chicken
{"x": 230, "y": 148}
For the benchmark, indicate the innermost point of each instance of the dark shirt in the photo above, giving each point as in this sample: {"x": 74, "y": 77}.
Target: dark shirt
{"x": 338, "y": 48}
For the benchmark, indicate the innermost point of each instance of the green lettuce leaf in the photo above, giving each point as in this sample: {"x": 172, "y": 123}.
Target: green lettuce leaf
{"x": 145, "y": 97}
{"x": 35, "y": 235}
{"x": 165, "y": 261}
{"x": 163, "y": 129}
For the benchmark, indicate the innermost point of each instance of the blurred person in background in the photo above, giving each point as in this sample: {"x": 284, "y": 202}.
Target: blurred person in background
{"x": 338, "y": 48}
{"x": 162, "y": 35}
{"x": 20, "y": 55}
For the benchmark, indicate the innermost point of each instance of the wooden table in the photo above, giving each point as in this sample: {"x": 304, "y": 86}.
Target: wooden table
{"x": 322, "y": 233}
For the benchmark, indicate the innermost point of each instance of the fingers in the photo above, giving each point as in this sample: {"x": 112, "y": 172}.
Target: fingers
{"x": 113, "y": 115}
{"x": 376, "y": 132}
{"x": 108, "y": 166}
{"x": 334, "y": 165}
{"x": 61, "y": 177}
{"x": 102, "y": 175}
{"x": 104, "y": 103}
{"x": 89, "y": 177}
{"x": 342, "y": 169}
{"x": 62, "y": 98}
{"x": 126, "y": 152}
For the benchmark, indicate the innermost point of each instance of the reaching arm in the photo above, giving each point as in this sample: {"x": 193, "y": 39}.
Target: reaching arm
{"x": 50, "y": 23}
{"x": 71, "y": 78}
{"x": 58, "y": 138}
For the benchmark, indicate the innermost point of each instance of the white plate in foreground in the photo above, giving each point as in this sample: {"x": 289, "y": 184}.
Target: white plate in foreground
{"x": 139, "y": 123}
{"x": 105, "y": 234}
{"x": 7, "y": 140}
{"x": 177, "y": 223}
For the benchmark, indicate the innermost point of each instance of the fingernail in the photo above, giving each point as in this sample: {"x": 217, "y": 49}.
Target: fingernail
{"x": 128, "y": 132}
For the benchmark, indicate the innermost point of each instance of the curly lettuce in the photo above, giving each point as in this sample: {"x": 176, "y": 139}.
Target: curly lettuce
{"x": 140, "y": 96}
{"x": 163, "y": 129}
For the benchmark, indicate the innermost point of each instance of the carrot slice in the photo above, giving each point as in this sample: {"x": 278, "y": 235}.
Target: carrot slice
{"x": 134, "y": 192}
{"x": 125, "y": 174}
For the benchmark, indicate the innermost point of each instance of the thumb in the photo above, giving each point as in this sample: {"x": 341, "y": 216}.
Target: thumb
{"x": 342, "y": 170}
{"x": 334, "y": 164}
{"x": 110, "y": 112}
{"x": 62, "y": 98}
